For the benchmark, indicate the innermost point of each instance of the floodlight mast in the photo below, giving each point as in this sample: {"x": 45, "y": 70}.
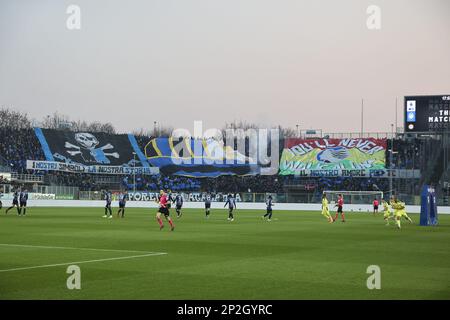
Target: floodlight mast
{"x": 391, "y": 159}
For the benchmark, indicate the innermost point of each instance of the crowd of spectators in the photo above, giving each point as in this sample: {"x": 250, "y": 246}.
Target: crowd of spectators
{"x": 406, "y": 155}
{"x": 352, "y": 184}
{"x": 160, "y": 182}
{"x": 18, "y": 146}
{"x": 233, "y": 184}
{"x": 85, "y": 182}
{"x": 256, "y": 184}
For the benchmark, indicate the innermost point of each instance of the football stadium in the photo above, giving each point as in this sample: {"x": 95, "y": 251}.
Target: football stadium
{"x": 117, "y": 183}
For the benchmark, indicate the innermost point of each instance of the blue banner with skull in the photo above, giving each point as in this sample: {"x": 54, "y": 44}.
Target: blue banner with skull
{"x": 91, "y": 149}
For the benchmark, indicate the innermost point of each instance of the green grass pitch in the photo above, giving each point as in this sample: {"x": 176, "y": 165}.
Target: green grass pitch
{"x": 296, "y": 256}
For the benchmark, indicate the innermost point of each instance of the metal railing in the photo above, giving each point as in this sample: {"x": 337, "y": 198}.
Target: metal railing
{"x": 107, "y": 180}
{"x": 356, "y": 135}
{"x": 284, "y": 197}
{"x": 27, "y": 178}
{"x": 67, "y": 193}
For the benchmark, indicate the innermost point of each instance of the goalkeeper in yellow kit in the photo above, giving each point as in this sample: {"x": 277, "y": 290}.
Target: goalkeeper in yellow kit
{"x": 325, "y": 210}
{"x": 399, "y": 211}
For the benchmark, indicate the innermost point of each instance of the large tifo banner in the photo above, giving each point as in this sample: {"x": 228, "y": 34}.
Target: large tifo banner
{"x": 199, "y": 158}
{"x": 85, "y": 152}
{"x": 333, "y": 157}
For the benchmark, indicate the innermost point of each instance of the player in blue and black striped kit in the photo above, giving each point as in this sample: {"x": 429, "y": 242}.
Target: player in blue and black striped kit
{"x": 123, "y": 198}
{"x": 269, "y": 205}
{"x": 108, "y": 199}
{"x": 15, "y": 202}
{"x": 178, "y": 204}
{"x": 208, "y": 205}
{"x": 231, "y": 202}
{"x": 23, "y": 198}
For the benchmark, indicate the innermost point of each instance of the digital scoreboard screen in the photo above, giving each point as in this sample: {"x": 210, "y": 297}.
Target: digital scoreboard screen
{"x": 427, "y": 113}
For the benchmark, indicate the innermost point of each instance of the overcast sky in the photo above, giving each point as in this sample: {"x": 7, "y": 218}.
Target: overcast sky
{"x": 282, "y": 62}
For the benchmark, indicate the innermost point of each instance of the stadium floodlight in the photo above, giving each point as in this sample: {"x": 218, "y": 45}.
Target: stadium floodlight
{"x": 355, "y": 196}
{"x": 391, "y": 161}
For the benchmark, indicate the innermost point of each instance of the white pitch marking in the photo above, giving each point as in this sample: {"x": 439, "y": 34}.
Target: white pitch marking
{"x": 147, "y": 254}
{"x": 86, "y": 261}
{"x": 71, "y": 248}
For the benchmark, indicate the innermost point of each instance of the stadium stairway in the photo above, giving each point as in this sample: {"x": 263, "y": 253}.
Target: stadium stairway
{"x": 434, "y": 169}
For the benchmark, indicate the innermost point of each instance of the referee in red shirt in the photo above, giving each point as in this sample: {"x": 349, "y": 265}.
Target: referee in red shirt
{"x": 163, "y": 209}
{"x": 340, "y": 205}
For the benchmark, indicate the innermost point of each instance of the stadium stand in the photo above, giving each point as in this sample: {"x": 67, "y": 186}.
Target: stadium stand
{"x": 16, "y": 146}
{"x": 422, "y": 154}
{"x": 161, "y": 182}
